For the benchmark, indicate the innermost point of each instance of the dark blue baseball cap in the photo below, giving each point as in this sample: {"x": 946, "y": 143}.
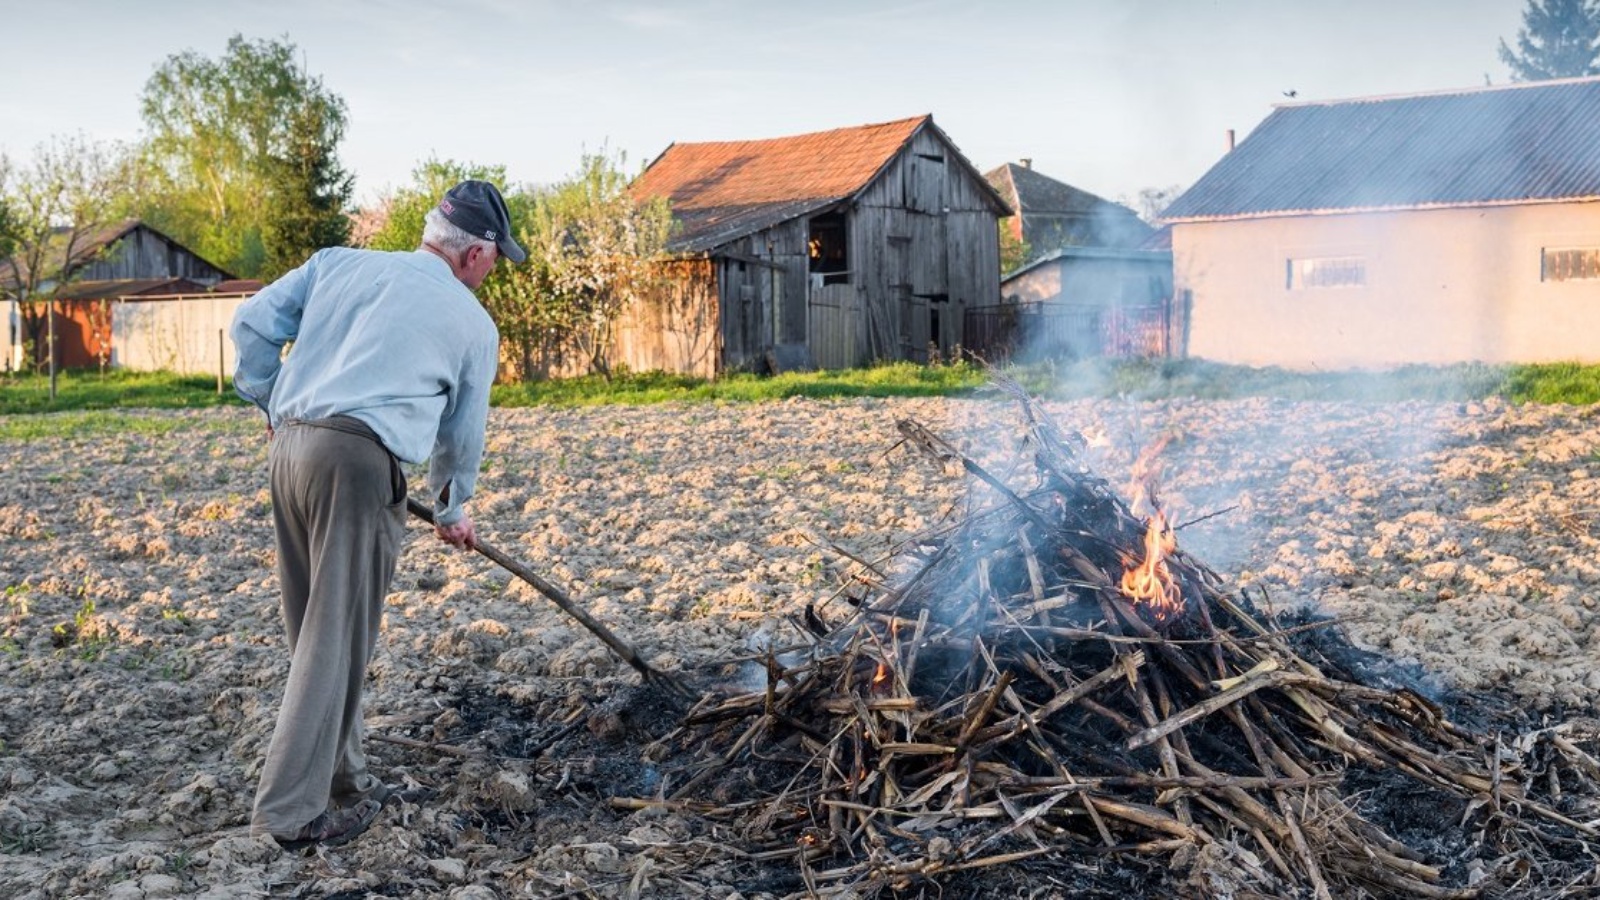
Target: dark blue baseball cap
{"x": 477, "y": 208}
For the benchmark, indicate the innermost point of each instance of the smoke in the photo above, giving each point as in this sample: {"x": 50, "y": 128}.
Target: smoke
{"x": 1284, "y": 493}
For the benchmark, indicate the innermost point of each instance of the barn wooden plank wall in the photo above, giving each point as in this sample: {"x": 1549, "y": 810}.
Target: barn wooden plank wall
{"x": 834, "y": 327}
{"x": 675, "y": 329}
{"x": 925, "y": 246}
{"x": 143, "y": 253}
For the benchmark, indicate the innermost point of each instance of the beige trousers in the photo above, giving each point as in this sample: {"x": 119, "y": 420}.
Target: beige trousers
{"x": 338, "y": 508}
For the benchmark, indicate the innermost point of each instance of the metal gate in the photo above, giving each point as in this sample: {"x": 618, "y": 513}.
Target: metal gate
{"x": 1021, "y": 332}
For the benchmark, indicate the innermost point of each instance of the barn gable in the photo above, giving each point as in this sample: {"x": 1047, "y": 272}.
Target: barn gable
{"x": 129, "y": 249}
{"x": 723, "y": 190}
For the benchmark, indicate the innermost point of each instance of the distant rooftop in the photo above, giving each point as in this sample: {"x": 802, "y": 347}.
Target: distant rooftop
{"x": 1056, "y": 214}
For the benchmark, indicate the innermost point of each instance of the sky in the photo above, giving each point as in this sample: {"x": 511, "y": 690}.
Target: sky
{"x": 1111, "y": 96}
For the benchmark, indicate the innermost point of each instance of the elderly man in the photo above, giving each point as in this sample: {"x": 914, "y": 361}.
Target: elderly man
{"x": 391, "y": 362}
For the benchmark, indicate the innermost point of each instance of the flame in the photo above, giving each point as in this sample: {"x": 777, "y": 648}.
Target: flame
{"x": 1150, "y": 582}
{"x": 881, "y": 675}
{"x": 1146, "y": 474}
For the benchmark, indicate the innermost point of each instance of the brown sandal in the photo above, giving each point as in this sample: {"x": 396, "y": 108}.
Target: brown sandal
{"x": 334, "y": 828}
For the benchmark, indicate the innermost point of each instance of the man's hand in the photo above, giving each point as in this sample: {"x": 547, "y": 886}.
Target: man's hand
{"x": 459, "y": 535}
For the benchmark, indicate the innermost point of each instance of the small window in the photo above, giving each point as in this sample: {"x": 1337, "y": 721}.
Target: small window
{"x": 827, "y": 247}
{"x": 1326, "y": 272}
{"x": 1570, "y": 264}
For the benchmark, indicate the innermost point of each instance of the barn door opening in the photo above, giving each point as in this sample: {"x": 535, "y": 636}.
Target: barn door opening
{"x": 936, "y": 345}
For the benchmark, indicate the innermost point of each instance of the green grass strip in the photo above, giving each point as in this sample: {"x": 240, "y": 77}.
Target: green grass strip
{"x": 1569, "y": 383}
{"x": 115, "y": 389}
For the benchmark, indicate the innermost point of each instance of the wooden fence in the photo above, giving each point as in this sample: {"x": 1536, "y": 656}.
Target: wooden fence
{"x": 185, "y": 334}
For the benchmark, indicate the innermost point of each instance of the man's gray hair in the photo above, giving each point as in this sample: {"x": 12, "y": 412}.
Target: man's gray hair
{"x": 444, "y": 234}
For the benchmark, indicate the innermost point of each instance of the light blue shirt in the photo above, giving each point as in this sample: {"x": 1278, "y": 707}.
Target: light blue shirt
{"x": 392, "y": 339}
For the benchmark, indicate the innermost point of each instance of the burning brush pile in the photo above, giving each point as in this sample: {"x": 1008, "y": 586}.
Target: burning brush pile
{"x": 1053, "y": 686}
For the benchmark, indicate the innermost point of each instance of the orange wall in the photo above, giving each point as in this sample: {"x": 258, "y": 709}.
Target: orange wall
{"x": 83, "y": 332}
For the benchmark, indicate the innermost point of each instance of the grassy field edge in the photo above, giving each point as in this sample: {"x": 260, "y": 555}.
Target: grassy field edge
{"x": 1569, "y": 383}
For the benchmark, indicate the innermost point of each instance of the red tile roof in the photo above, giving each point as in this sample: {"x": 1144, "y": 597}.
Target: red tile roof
{"x": 720, "y": 190}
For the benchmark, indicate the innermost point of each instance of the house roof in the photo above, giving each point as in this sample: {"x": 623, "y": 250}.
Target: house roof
{"x": 1114, "y": 254}
{"x": 1057, "y": 214}
{"x": 1522, "y": 143}
{"x": 1160, "y": 239}
{"x": 238, "y": 286}
{"x": 85, "y": 246}
{"x": 107, "y": 288}
{"x": 722, "y": 190}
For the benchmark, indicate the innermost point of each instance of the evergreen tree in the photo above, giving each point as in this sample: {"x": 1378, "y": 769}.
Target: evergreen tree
{"x": 1558, "y": 39}
{"x": 307, "y": 191}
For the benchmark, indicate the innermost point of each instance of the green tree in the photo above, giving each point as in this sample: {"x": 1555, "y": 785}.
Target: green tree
{"x": 308, "y": 190}
{"x": 1558, "y": 39}
{"x": 593, "y": 251}
{"x": 1014, "y": 251}
{"x": 243, "y": 152}
{"x": 53, "y": 209}
{"x": 404, "y": 209}
{"x": 9, "y": 221}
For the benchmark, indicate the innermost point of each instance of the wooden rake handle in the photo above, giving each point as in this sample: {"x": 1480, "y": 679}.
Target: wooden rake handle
{"x": 559, "y": 597}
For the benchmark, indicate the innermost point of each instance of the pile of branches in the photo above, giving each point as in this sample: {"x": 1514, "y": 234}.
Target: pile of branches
{"x": 1010, "y": 700}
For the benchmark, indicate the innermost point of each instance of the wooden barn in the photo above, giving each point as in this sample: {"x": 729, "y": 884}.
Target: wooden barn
{"x": 132, "y": 249}
{"x": 126, "y": 259}
{"x": 1446, "y": 227}
{"x": 834, "y": 249}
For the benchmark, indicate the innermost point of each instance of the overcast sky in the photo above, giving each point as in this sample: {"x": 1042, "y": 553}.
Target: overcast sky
{"x": 1109, "y": 96}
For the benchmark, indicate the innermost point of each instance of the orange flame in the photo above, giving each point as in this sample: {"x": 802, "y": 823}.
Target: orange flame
{"x": 882, "y": 674}
{"x": 1151, "y": 581}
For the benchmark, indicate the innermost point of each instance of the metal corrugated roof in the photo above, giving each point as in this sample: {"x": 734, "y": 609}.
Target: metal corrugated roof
{"x": 1124, "y": 254}
{"x": 1537, "y": 142}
